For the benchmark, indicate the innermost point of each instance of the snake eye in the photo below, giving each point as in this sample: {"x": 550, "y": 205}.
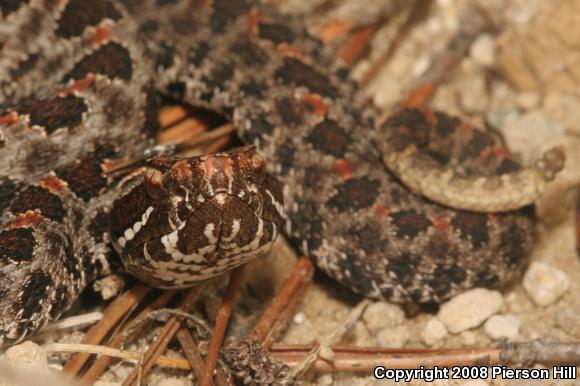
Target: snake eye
{"x": 154, "y": 183}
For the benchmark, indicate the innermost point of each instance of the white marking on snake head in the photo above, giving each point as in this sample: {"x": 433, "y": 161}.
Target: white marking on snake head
{"x": 208, "y": 232}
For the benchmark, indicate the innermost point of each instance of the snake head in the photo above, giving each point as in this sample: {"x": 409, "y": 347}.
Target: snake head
{"x": 185, "y": 220}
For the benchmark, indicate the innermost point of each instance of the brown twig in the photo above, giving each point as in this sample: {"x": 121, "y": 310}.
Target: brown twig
{"x": 222, "y": 319}
{"x": 473, "y": 23}
{"x": 419, "y": 96}
{"x": 402, "y": 25}
{"x": 191, "y": 351}
{"x": 100, "y": 365}
{"x": 218, "y": 145}
{"x": 277, "y": 313}
{"x": 210, "y": 135}
{"x": 171, "y": 115}
{"x": 365, "y": 359}
{"x": 187, "y": 129}
{"x": 357, "y": 43}
{"x": 167, "y": 332}
{"x": 333, "y": 30}
{"x": 109, "y": 352}
{"x": 114, "y": 312}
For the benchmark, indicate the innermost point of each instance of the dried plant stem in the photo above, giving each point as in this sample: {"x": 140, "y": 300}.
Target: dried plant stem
{"x": 109, "y": 352}
{"x": 208, "y": 136}
{"x": 167, "y": 332}
{"x": 100, "y": 365}
{"x": 191, "y": 351}
{"x": 365, "y": 359}
{"x": 352, "y": 50}
{"x": 113, "y": 314}
{"x": 399, "y": 30}
{"x": 222, "y": 319}
{"x": 473, "y": 23}
{"x": 283, "y": 304}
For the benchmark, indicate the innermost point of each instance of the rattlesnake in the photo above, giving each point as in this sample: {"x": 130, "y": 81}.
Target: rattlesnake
{"x": 79, "y": 95}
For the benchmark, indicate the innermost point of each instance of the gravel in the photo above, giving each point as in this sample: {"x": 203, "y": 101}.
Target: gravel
{"x": 434, "y": 332}
{"x": 470, "y": 309}
{"x": 503, "y": 327}
{"x": 544, "y": 283}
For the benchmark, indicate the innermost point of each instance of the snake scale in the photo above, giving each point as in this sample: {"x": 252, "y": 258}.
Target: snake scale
{"x": 80, "y": 87}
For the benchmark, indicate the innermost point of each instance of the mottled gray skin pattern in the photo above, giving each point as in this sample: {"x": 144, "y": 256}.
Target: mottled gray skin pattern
{"x": 283, "y": 92}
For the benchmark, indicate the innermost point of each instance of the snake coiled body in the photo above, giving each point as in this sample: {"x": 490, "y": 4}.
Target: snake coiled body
{"x": 79, "y": 94}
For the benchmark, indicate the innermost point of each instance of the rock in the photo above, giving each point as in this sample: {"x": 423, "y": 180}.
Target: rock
{"x": 503, "y": 327}
{"x": 299, "y": 318}
{"x": 468, "y": 338}
{"x": 27, "y": 355}
{"x": 544, "y": 283}
{"x": 359, "y": 335}
{"x": 470, "y": 309}
{"x": 381, "y": 315}
{"x": 482, "y": 50}
{"x": 434, "y": 331}
{"x": 325, "y": 380}
{"x": 393, "y": 337}
{"x": 326, "y": 353}
{"x": 25, "y": 363}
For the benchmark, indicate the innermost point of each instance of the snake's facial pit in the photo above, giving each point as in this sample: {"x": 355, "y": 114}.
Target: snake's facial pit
{"x": 189, "y": 220}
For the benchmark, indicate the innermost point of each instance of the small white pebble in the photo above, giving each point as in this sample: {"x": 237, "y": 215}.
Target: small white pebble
{"x": 325, "y": 380}
{"x": 545, "y": 284}
{"x": 503, "y": 327}
{"x": 299, "y": 318}
{"x": 27, "y": 355}
{"x": 420, "y": 66}
{"x": 434, "y": 331}
{"x": 469, "y": 338}
{"x": 381, "y": 315}
{"x": 394, "y": 337}
{"x": 470, "y": 309}
{"x": 326, "y": 353}
{"x": 482, "y": 51}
